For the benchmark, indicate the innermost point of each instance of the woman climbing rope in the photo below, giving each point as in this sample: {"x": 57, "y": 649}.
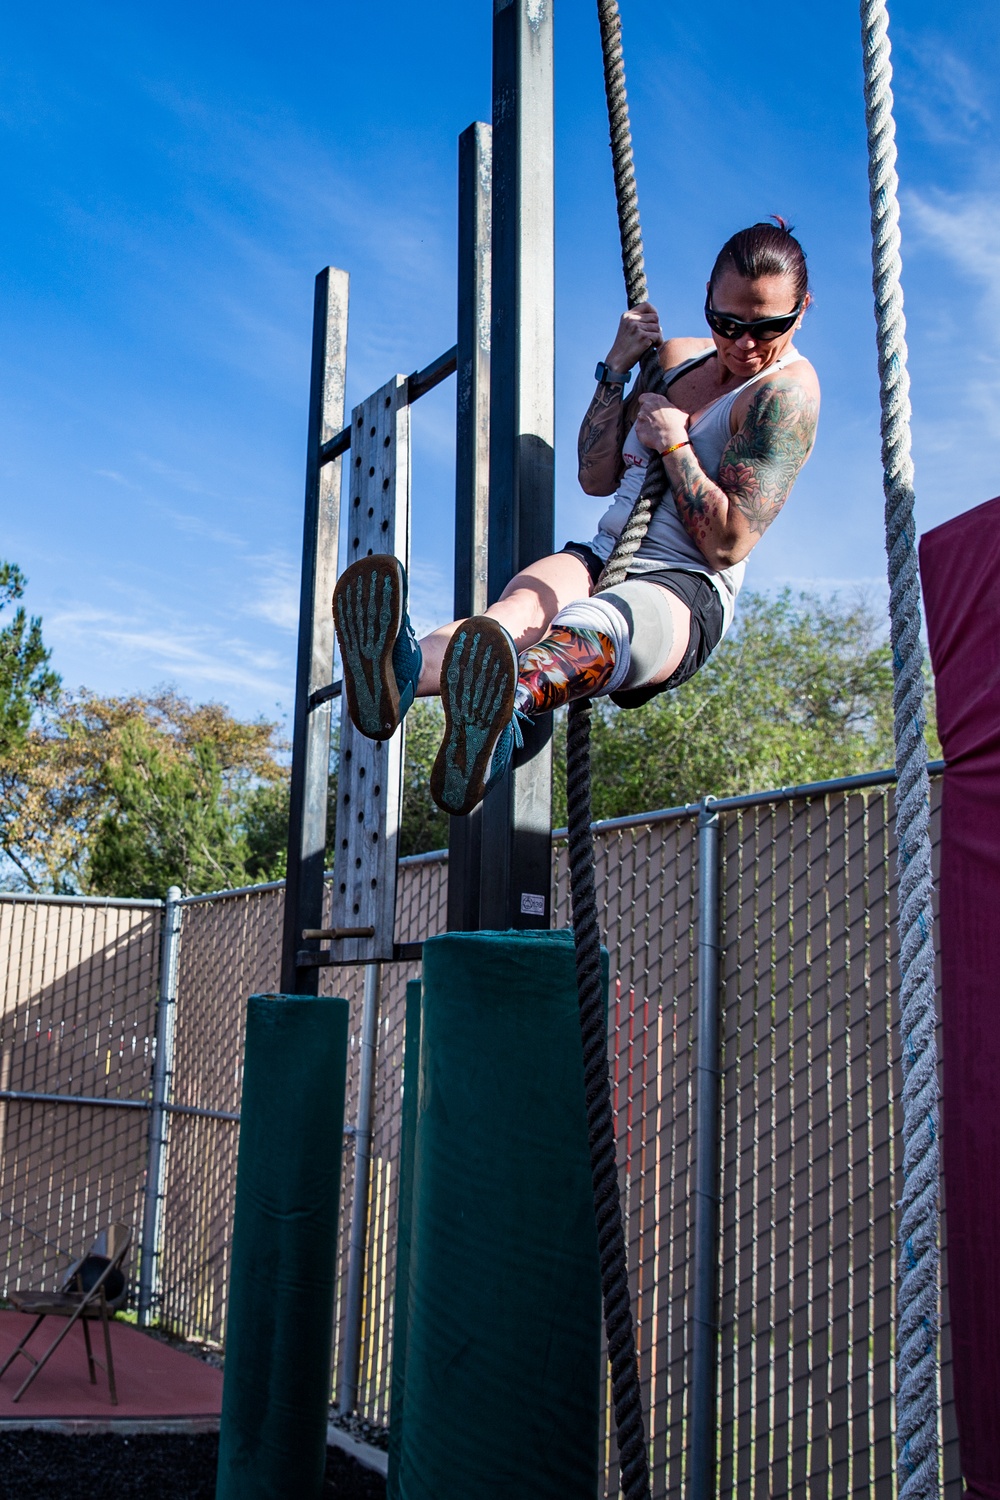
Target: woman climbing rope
{"x": 736, "y": 427}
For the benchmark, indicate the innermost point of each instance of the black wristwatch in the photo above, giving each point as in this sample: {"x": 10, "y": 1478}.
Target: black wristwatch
{"x": 604, "y": 376}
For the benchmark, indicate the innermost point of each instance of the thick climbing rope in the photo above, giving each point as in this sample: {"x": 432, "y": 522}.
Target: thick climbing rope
{"x": 917, "y": 1292}
{"x": 917, "y": 1302}
{"x": 625, "y": 1387}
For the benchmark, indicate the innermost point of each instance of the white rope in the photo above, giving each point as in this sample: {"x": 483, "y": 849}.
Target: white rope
{"x": 917, "y": 1400}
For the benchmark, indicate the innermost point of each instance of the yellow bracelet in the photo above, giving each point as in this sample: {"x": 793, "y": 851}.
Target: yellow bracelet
{"x": 674, "y": 447}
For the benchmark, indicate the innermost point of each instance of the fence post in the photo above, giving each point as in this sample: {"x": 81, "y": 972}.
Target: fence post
{"x": 708, "y": 1131}
{"x": 163, "y": 1064}
{"x": 350, "y": 1360}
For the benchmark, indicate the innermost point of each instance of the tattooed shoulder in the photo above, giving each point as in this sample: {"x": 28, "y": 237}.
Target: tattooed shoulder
{"x": 762, "y": 461}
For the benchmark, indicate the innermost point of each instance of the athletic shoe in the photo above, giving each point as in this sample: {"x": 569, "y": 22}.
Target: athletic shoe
{"x": 378, "y": 648}
{"x": 482, "y": 730}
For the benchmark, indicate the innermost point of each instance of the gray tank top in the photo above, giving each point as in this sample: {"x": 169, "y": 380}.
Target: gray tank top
{"x": 666, "y": 543}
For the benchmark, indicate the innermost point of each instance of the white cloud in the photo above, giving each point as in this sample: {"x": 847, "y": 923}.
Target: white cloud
{"x": 220, "y": 661}
{"x": 942, "y": 91}
{"x": 116, "y": 478}
{"x": 430, "y": 595}
{"x": 273, "y": 592}
{"x": 965, "y": 228}
{"x": 179, "y": 478}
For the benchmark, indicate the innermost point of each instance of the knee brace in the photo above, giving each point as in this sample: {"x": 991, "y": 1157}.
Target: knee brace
{"x": 645, "y": 608}
{"x": 636, "y": 617}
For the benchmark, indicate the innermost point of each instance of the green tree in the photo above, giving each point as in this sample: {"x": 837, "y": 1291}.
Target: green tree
{"x": 799, "y": 690}
{"x": 26, "y": 683}
{"x": 167, "y": 821}
{"x": 265, "y": 826}
{"x": 423, "y": 825}
{"x": 90, "y": 762}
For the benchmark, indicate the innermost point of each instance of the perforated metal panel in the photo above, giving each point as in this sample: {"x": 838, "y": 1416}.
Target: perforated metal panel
{"x": 369, "y": 787}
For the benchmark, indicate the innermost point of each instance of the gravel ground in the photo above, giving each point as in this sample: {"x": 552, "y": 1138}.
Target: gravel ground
{"x": 50, "y": 1466}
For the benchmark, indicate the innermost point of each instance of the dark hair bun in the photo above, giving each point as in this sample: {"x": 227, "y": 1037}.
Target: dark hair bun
{"x": 764, "y": 250}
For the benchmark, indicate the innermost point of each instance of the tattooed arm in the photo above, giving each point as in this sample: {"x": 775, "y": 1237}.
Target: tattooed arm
{"x": 599, "y": 448}
{"x": 759, "y": 466}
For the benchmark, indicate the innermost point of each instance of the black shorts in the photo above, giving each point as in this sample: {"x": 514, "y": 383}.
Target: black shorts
{"x": 701, "y": 598}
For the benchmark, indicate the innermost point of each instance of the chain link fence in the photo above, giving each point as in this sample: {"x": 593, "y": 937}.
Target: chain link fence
{"x": 78, "y": 986}
{"x": 810, "y": 1125}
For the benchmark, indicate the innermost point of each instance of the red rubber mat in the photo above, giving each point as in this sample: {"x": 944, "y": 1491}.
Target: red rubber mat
{"x": 153, "y": 1379}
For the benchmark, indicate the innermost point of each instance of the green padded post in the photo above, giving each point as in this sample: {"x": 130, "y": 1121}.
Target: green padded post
{"x": 502, "y": 1336}
{"x": 276, "y": 1393}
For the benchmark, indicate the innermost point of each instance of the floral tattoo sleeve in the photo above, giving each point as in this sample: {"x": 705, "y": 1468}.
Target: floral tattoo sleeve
{"x": 762, "y": 460}
{"x": 759, "y": 465}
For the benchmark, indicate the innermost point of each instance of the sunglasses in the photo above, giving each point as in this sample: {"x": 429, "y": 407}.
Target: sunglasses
{"x": 763, "y": 330}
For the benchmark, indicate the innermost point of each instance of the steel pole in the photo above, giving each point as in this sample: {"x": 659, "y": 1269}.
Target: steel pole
{"x": 472, "y": 464}
{"x": 517, "y": 815}
{"x": 350, "y": 1360}
{"x": 163, "y": 1066}
{"x": 708, "y": 1130}
{"x": 314, "y": 668}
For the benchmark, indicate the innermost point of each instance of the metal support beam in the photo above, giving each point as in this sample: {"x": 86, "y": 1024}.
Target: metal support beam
{"x": 163, "y": 1066}
{"x": 472, "y": 463}
{"x": 516, "y": 818}
{"x": 314, "y": 670}
{"x": 702, "y": 1424}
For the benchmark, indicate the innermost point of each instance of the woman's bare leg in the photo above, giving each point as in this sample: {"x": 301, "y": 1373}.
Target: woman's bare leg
{"x": 525, "y": 609}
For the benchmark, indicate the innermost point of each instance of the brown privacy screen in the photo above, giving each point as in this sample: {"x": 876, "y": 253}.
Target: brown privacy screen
{"x": 78, "y": 986}
{"x": 810, "y": 1129}
{"x": 231, "y": 948}
{"x": 811, "y": 1151}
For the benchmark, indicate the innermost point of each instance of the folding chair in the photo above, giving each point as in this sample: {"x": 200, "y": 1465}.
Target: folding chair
{"x": 92, "y": 1288}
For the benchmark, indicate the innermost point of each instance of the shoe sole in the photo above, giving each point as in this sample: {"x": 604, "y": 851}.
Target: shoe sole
{"x": 478, "y": 681}
{"x": 368, "y": 605}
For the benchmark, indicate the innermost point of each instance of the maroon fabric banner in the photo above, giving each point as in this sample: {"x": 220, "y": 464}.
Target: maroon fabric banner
{"x": 960, "y": 568}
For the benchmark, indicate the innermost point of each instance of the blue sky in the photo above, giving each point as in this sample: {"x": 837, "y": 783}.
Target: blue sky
{"x": 174, "y": 176}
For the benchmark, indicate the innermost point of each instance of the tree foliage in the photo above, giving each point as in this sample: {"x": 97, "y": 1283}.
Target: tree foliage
{"x": 799, "y": 690}
{"x": 26, "y": 683}
{"x": 423, "y": 825}
{"x": 128, "y": 795}
{"x": 167, "y": 820}
{"x": 125, "y": 796}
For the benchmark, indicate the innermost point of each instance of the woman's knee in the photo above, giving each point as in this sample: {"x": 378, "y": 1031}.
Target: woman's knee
{"x": 538, "y": 592}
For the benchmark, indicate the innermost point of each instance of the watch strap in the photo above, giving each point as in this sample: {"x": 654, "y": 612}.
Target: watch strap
{"x": 606, "y": 376}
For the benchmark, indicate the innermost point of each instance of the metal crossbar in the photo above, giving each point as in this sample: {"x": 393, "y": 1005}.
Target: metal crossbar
{"x": 418, "y": 384}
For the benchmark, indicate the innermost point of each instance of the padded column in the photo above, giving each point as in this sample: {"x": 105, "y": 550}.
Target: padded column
{"x": 501, "y": 1326}
{"x": 960, "y": 565}
{"x": 276, "y": 1393}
